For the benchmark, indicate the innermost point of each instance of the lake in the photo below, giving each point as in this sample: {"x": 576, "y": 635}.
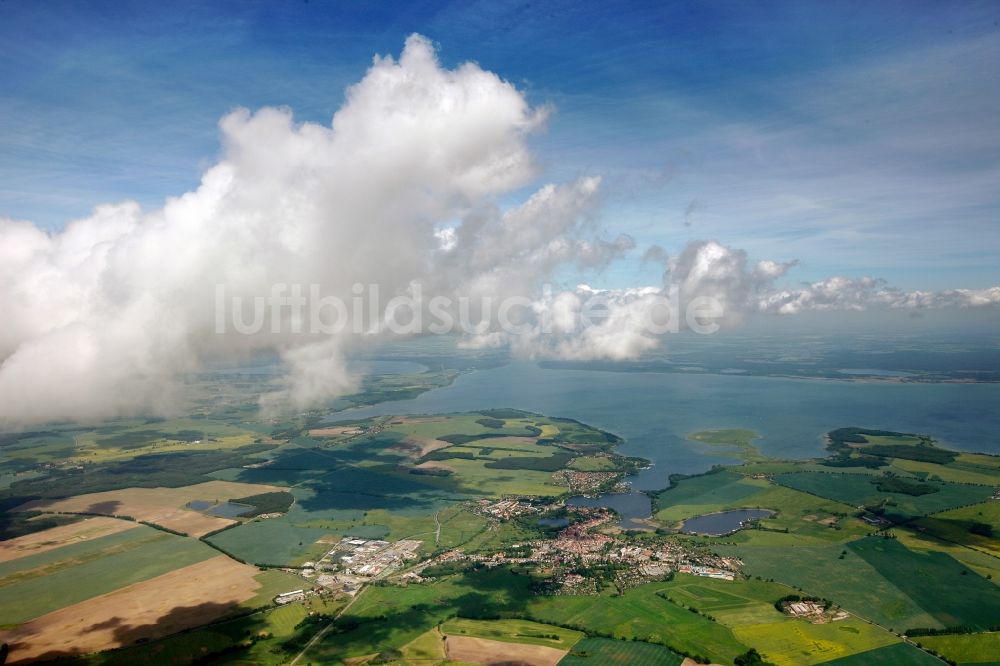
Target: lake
{"x": 722, "y": 523}
{"x": 655, "y": 412}
{"x": 631, "y": 507}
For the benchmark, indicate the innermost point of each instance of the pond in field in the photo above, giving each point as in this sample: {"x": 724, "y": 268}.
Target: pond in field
{"x": 724, "y": 522}
{"x": 221, "y": 509}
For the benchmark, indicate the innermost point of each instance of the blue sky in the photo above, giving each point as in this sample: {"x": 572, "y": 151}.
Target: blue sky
{"x": 858, "y": 138}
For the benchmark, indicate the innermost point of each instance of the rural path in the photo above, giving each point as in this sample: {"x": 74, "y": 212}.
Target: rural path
{"x": 322, "y": 632}
{"x": 437, "y": 532}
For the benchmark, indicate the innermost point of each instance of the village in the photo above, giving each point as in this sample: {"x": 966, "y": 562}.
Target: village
{"x": 585, "y": 555}
{"x": 590, "y": 482}
{"x": 580, "y": 559}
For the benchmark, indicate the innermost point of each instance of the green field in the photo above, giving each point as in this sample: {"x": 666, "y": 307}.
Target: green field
{"x": 364, "y": 484}
{"x": 364, "y": 481}
{"x": 858, "y": 490}
{"x": 942, "y": 586}
{"x": 37, "y": 584}
{"x": 641, "y": 614}
{"x": 272, "y": 583}
{"x": 964, "y": 648}
{"x": 977, "y": 526}
{"x": 388, "y": 618}
{"x": 427, "y": 648}
{"x": 748, "y": 608}
{"x": 602, "y": 651}
{"x": 272, "y": 541}
{"x": 806, "y": 515}
{"x": 733, "y": 604}
{"x": 798, "y": 512}
{"x": 593, "y": 464}
{"x": 819, "y": 570}
{"x": 704, "y": 494}
{"x": 514, "y": 631}
{"x": 962, "y": 470}
{"x": 899, "y": 654}
{"x": 799, "y": 643}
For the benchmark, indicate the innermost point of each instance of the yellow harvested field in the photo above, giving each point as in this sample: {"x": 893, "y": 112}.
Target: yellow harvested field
{"x": 493, "y": 653}
{"x": 39, "y": 542}
{"x": 184, "y": 598}
{"x": 160, "y": 506}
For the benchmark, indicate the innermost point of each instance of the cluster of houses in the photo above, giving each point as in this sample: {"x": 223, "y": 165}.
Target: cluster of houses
{"x": 578, "y": 547}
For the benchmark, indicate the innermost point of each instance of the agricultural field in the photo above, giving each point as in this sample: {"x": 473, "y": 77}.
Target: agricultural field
{"x": 186, "y": 597}
{"x": 964, "y": 648}
{"x": 831, "y": 571}
{"x": 273, "y": 541}
{"x": 976, "y": 526}
{"x": 393, "y": 477}
{"x": 795, "y": 512}
{"x": 224, "y": 641}
{"x": 705, "y": 493}
{"x": 593, "y": 464}
{"x": 514, "y": 631}
{"x": 862, "y": 490}
{"x": 967, "y": 468}
{"x": 467, "y": 649}
{"x": 748, "y": 608}
{"x": 798, "y": 642}
{"x": 592, "y": 651}
{"x": 899, "y": 654}
{"x": 806, "y": 515}
{"x": 736, "y": 604}
{"x": 425, "y": 650}
{"x": 389, "y": 618}
{"x": 37, "y": 584}
{"x": 123, "y": 440}
{"x": 947, "y": 590}
{"x": 641, "y": 614}
{"x": 166, "y": 507}
{"x": 308, "y": 482}
{"x": 57, "y": 537}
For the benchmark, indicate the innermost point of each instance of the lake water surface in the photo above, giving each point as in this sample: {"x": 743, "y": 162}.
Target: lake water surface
{"x": 722, "y": 523}
{"x": 655, "y": 412}
{"x": 631, "y": 507}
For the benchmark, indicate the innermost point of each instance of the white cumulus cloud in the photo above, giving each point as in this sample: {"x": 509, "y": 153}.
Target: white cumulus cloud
{"x": 400, "y": 190}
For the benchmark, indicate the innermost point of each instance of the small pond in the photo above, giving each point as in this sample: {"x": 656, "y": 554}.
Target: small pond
{"x": 221, "y": 509}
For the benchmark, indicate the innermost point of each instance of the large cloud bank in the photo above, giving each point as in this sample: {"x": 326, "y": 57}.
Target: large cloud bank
{"x": 399, "y": 191}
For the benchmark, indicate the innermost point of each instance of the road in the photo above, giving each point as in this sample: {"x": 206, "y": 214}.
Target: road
{"x": 322, "y": 632}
